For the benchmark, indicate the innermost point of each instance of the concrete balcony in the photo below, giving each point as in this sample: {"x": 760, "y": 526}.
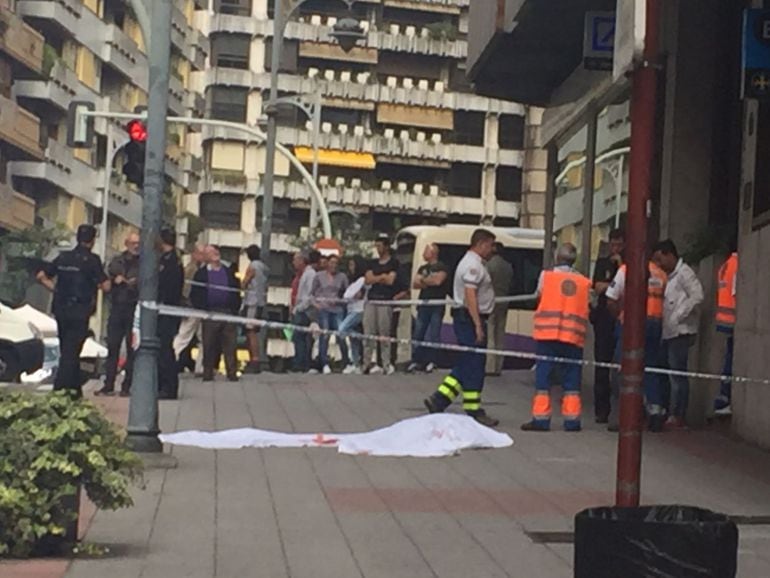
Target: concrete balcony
{"x": 18, "y": 210}
{"x": 381, "y": 145}
{"x": 66, "y": 15}
{"x": 314, "y": 33}
{"x": 342, "y": 88}
{"x": 240, "y": 239}
{"x": 198, "y": 49}
{"x": 524, "y": 49}
{"x": 447, "y": 6}
{"x": 125, "y": 203}
{"x": 21, "y": 130}
{"x": 122, "y": 53}
{"x": 194, "y": 104}
{"x": 58, "y": 90}
{"x": 176, "y": 95}
{"x": 20, "y": 41}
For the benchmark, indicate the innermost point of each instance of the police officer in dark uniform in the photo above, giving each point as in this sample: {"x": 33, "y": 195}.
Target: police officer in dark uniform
{"x": 79, "y": 275}
{"x": 170, "y": 286}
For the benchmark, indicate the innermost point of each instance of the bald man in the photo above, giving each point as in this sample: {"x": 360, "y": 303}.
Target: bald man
{"x": 123, "y": 272}
{"x": 432, "y": 279}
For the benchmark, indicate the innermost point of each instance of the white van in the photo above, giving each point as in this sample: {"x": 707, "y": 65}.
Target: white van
{"x": 523, "y": 248}
{"x": 21, "y": 346}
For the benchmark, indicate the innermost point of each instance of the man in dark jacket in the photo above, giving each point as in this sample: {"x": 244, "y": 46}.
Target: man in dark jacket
{"x": 170, "y": 284}
{"x": 78, "y": 275}
{"x": 217, "y": 289}
{"x": 123, "y": 272}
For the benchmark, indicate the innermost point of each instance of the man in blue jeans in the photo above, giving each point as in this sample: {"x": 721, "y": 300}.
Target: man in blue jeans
{"x": 683, "y": 297}
{"x": 432, "y": 281}
{"x": 328, "y": 287}
{"x": 303, "y": 308}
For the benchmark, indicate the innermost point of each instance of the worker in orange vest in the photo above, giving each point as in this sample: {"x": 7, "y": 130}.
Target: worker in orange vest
{"x": 725, "y": 317}
{"x": 561, "y": 324}
{"x": 654, "y": 392}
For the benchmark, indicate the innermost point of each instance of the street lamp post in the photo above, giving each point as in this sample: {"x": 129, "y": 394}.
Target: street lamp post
{"x": 312, "y": 108}
{"x": 347, "y": 32}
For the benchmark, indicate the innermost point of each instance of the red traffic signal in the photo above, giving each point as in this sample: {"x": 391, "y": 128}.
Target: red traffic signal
{"x": 137, "y": 131}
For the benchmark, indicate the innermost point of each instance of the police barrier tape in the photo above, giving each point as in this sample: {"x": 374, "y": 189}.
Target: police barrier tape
{"x": 380, "y": 303}
{"x": 184, "y": 312}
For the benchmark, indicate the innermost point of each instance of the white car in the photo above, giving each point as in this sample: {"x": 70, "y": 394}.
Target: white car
{"x": 21, "y": 345}
{"x": 91, "y": 358}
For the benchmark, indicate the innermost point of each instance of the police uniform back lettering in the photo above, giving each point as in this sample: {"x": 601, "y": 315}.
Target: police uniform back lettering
{"x": 74, "y": 276}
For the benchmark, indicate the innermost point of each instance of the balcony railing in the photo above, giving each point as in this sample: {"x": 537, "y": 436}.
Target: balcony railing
{"x": 345, "y": 85}
{"x": 20, "y": 41}
{"x": 18, "y": 210}
{"x": 20, "y": 129}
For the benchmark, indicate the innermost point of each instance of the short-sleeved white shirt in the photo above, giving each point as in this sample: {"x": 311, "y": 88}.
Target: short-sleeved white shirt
{"x": 471, "y": 272}
{"x": 617, "y": 288}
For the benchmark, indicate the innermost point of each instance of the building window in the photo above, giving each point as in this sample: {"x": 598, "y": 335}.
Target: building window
{"x": 762, "y": 171}
{"x": 229, "y": 103}
{"x": 234, "y": 7}
{"x": 511, "y": 132}
{"x": 469, "y": 128}
{"x": 221, "y": 211}
{"x": 231, "y": 50}
{"x": 465, "y": 180}
{"x": 508, "y": 184}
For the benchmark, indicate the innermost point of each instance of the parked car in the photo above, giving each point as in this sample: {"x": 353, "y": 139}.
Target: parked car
{"x": 21, "y": 345}
{"x": 92, "y": 357}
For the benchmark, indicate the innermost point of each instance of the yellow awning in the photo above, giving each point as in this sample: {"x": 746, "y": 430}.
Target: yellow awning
{"x": 336, "y": 158}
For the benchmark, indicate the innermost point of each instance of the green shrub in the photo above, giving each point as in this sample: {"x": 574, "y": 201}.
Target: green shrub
{"x": 50, "y": 445}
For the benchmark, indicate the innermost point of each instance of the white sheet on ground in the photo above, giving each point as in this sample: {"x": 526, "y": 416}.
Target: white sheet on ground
{"x": 424, "y": 437}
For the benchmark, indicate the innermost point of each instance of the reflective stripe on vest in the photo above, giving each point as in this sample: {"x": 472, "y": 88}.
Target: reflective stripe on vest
{"x": 562, "y": 314}
{"x": 726, "y": 302}
{"x": 656, "y": 289}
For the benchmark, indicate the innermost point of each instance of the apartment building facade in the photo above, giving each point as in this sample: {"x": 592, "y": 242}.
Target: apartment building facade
{"x": 91, "y": 50}
{"x": 403, "y": 140}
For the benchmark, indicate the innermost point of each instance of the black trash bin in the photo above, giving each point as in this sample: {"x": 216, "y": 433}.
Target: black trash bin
{"x": 656, "y": 541}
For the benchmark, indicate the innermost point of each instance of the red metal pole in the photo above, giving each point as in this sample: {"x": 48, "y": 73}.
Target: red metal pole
{"x": 643, "y": 112}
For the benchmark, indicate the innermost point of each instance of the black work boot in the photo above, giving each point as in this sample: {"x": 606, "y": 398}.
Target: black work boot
{"x": 481, "y": 416}
{"x": 437, "y": 403}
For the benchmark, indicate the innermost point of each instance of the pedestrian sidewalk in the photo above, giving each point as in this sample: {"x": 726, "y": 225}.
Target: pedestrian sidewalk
{"x": 315, "y": 513}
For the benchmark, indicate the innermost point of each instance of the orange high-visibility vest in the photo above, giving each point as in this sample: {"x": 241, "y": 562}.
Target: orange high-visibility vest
{"x": 656, "y": 289}
{"x": 562, "y": 314}
{"x": 726, "y": 302}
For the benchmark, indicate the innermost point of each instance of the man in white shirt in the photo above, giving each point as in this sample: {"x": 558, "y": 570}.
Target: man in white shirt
{"x": 474, "y": 301}
{"x": 683, "y": 296}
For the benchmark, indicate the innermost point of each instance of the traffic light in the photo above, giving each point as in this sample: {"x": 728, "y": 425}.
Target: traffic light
{"x": 133, "y": 168}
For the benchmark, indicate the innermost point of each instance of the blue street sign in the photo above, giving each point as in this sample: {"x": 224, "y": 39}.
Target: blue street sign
{"x": 599, "y": 40}
{"x": 756, "y": 54}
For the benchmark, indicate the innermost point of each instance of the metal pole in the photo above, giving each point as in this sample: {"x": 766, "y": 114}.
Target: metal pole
{"x": 316, "y": 141}
{"x": 619, "y": 191}
{"x": 643, "y": 108}
{"x": 272, "y": 131}
{"x": 108, "y": 158}
{"x": 589, "y": 180}
{"x": 143, "y": 411}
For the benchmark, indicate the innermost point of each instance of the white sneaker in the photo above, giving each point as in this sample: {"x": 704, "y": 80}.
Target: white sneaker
{"x": 313, "y": 371}
{"x": 357, "y": 370}
{"x": 430, "y": 368}
{"x": 327, "y": 370}
{"x": 349, "y": 370}
{"x": 376, "y": 370}
{"x": 727, "y": 410}
{"x": 390, "y": 370}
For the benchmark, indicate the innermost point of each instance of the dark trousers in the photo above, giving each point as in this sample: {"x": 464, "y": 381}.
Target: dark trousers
{"x": 73, "y": 333}
{"x": 604, "y": 351}
{"x": 168, "y": 374}
{"x": 674, "y": 355}
{"x": 427, "y": 327}
{"x": 467, "y": 376}
{"x": 119, "y": 328}
{"x": 219, "y": 338}
{"x": 302, "y": 343}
